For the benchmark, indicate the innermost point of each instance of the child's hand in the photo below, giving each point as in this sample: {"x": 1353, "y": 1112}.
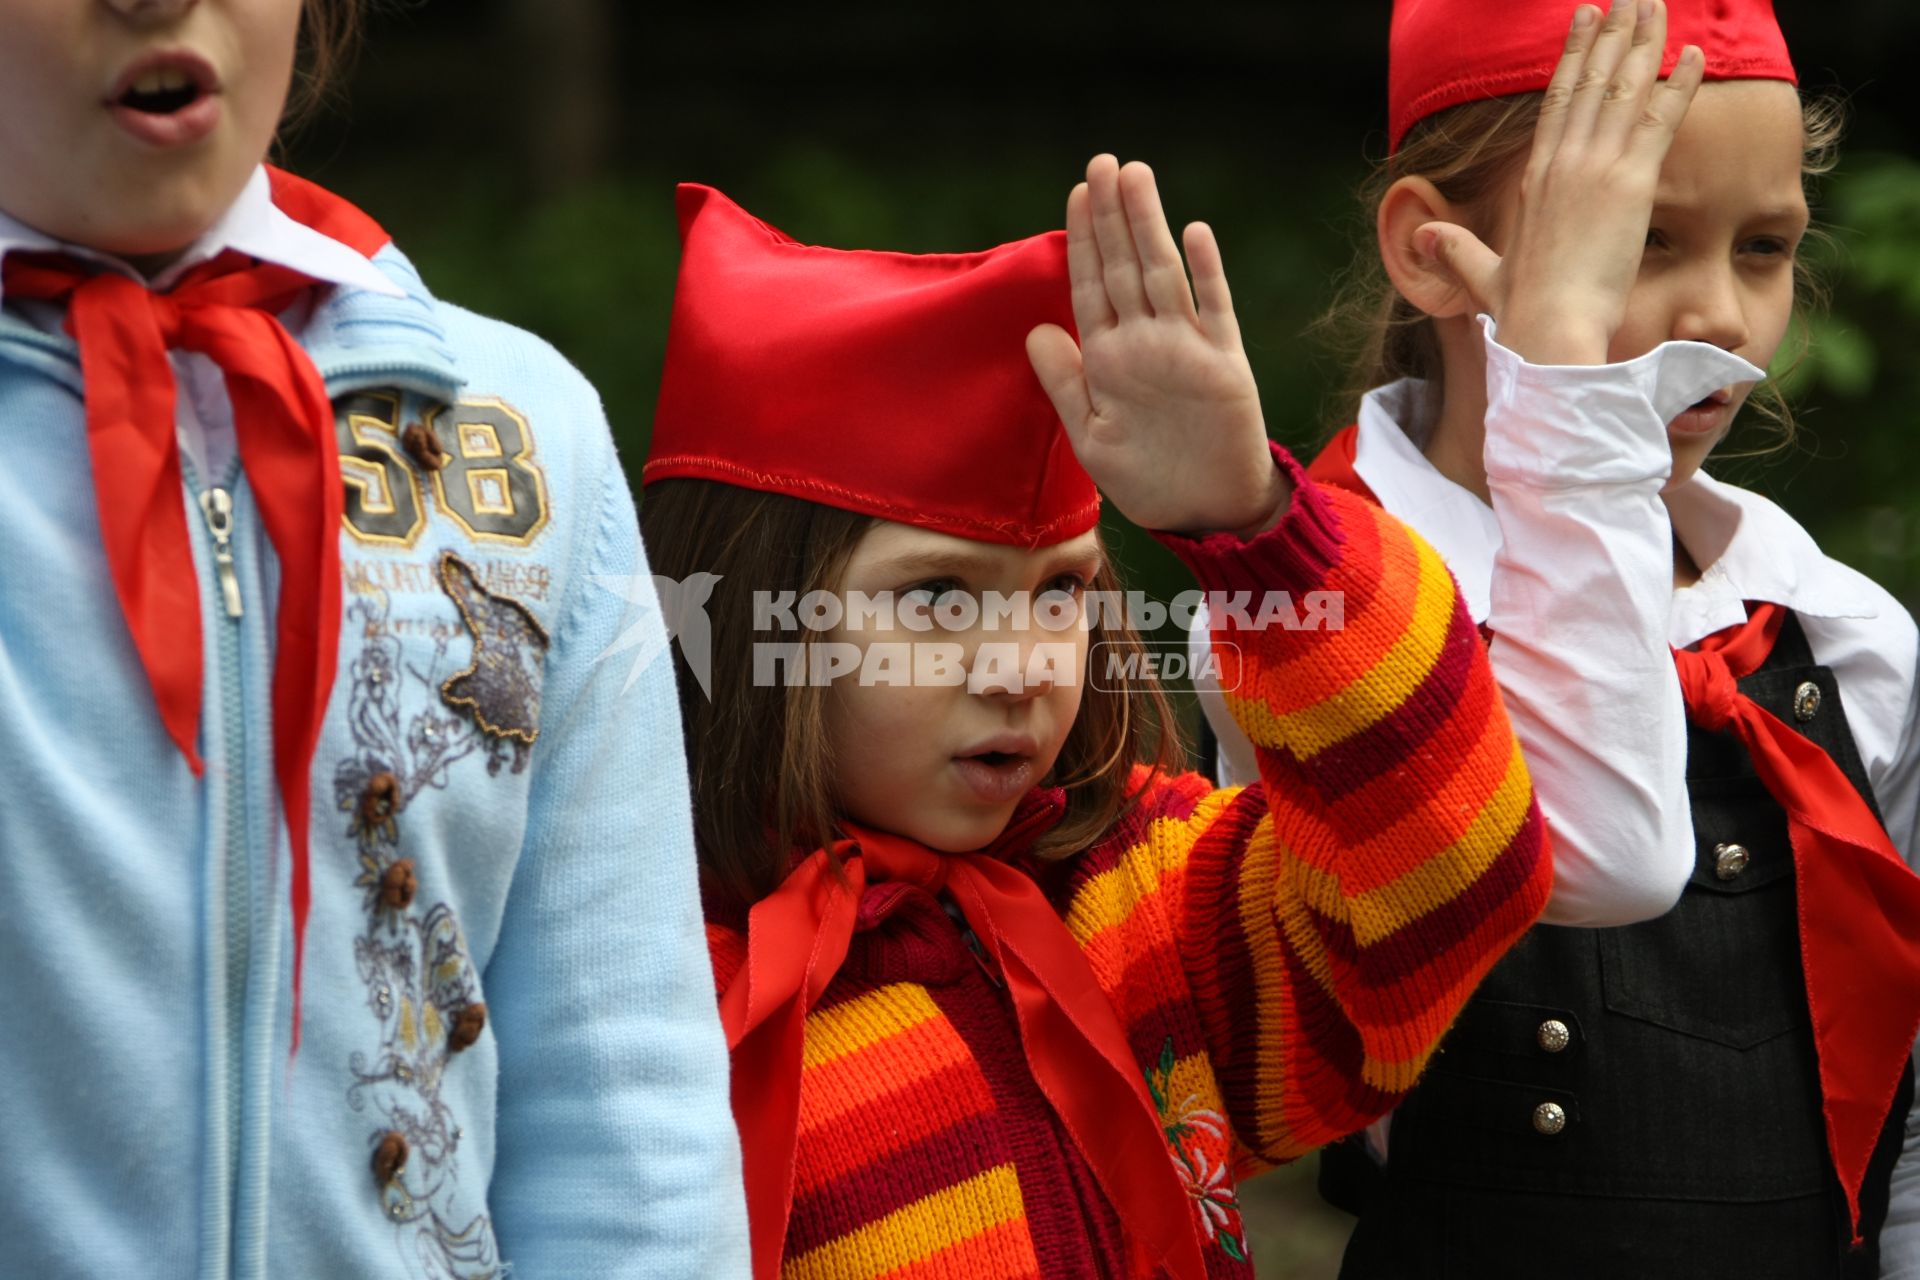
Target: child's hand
{"x": 1158, "y": 397}
{"x": 1586, "y": 199}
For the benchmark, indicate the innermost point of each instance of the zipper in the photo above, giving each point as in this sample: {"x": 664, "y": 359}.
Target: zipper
{"x": 230, "y": 872}
{"x": 216, "y": 504}
{"x": 972, "y": 940}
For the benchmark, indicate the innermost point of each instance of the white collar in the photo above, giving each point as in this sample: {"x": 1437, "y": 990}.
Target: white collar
{"x": 1751, "y": 548}
{"x": 1453, "y": 519}
{"x": 252, "y": 225}
{"x": 1755, "y": 551}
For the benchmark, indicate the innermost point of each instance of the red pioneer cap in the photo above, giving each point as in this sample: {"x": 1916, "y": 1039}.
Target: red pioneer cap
{"x": 1447, "y": 52}
{"x": 892, "y": 384}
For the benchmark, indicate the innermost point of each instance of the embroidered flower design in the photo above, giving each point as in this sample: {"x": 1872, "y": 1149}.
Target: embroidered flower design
{"x": 1191, "y": 1130}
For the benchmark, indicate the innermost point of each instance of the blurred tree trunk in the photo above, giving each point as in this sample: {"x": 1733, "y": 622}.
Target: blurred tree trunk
{"x": 564, "y": 52}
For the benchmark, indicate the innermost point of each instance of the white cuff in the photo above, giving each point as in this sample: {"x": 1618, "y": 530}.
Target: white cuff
{"x": 1568, "y": 426}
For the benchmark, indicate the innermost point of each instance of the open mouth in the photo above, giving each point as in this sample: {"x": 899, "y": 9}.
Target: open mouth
{"x": 162, "y": 92}
{"x": 996, "y": 759}
{"x": 1001, "y": 768}
{"x": 167, "y": 99}
{"x": 1705, "y": 415}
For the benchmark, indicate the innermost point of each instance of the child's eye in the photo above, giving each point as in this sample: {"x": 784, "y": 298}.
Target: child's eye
{"x": 1769, "y": 247}
{"x": 1070, "y": 584}
{"x": 930, "y": 595}
{"x": 1656, "y": 238}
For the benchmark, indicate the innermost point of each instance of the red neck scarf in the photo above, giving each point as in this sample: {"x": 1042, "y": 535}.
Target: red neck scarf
{"x": 1859, "y": 902}
{"x": 283, "y": 422}
{"x": 797, "y": 938}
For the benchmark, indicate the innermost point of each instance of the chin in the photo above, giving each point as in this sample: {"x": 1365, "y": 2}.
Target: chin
{"x": 945, "y": 833}
{"x": 167, "y": 216}
{"x": 1688, "y": 457}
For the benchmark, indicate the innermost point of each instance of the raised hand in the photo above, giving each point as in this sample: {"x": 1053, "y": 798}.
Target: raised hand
{"x": 1157, "y": 397}
{"x": 1586, "y": 198}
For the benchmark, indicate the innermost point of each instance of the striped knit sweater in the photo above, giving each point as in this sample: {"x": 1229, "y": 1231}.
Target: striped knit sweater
{"x": 1284, "y": 957}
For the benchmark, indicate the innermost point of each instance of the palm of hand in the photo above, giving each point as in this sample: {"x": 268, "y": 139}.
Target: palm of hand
{"x": 1157, "y": 397}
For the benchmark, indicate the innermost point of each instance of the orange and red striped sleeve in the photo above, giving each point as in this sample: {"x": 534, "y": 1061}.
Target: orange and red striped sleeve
{"x": 1330, "y": 921}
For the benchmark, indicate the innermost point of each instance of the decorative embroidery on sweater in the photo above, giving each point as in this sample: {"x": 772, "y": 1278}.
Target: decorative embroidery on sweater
{"x": 502, "y": 686}
{"x": 1197, "y": 1136}
{"x": 418, "y": 976}
{"x": 417, "y": 745}
{"x": 411, "y": 955}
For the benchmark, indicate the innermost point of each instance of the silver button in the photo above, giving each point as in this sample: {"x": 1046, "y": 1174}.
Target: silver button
{"x": 1549, "y": 1119}
{"x": 1806, "y": 702}
{"x": 1553, "y": 1035}
{"x": 1729, "y": 860}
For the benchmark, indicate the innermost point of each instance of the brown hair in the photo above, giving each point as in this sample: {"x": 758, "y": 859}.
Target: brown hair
{"x": 761, "y": 767}
{"x": 1467, "y": 152}
{"x": 330, "y": 32}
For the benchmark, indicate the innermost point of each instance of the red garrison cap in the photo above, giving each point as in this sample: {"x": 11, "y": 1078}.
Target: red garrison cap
{"x": 893, "y": 384}
{"x": 1447, "y": 52}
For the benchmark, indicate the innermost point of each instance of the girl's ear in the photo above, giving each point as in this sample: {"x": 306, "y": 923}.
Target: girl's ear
{"x": 1420, "y": 276}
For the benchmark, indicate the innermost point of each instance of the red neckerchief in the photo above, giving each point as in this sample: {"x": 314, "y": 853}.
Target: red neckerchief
{"x": 1859, "y": 902}
{"x": 283, "y": 423}
{"x": 797, "y": 938}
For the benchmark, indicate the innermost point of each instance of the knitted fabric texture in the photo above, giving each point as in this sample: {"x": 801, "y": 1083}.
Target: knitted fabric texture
{"x": 1284, "y": 957}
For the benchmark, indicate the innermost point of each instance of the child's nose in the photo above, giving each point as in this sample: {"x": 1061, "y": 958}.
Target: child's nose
{"x": 1019, "y": 668}
{"x": 151, "y": 10}
{"x": 1711, "y": 310}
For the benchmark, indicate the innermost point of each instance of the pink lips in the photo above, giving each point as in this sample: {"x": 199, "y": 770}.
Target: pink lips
{"x": 182, "y": 127}
{"x": 1704, "y": 417}
{"x": 999, "y": 769}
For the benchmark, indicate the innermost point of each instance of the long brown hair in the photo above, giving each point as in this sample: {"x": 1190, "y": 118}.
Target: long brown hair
{"x": 1468, "y": 152}
{"x": 758, "y": 753}
{"x": 330, "y": 32}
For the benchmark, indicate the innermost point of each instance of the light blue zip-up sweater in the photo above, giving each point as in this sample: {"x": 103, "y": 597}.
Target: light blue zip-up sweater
{"x": 152, "y": 1124}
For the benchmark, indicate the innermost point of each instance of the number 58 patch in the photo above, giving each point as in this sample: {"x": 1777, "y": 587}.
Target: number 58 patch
{"x": 476, "y": 456}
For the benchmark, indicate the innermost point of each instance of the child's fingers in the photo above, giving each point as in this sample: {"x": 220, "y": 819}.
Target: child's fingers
{"x": 1603, "y": 64}
{"x": 1210, "y": 286}
{"x": 1458, "y": 255}
{"x": 1091, "y": 309}
{"x": 1626, "y": 97}
{"x": 1055, "y": 357}
{"x": 1653, "y": 134}
{"x": 1553, "y": 104}
{"x": 1161, "y": 271}
{"x": 1119, "y": 265}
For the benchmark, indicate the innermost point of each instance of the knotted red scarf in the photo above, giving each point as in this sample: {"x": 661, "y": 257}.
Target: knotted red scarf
{"x": 796, "y": 941}
{"x": 1859, "y": 903}
{"x": 283, "y": 423}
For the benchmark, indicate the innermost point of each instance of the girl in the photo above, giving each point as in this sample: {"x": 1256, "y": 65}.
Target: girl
{"x": 1723, "y": 1091}
{"x": 1007, "y": 997}
{"x": 343, "y": 937}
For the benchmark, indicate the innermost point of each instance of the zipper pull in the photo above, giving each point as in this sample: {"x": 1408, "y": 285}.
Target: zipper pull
{"x": 217, "y": 506}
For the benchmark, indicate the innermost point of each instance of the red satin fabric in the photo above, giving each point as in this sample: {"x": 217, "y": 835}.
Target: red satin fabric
{"x": 1859, "y": 902}
{"x": 1443, "y": 53}
{"x": 283, "y": 422}
{"x": 797, "y": 939}
{"x": 891, "y": 384}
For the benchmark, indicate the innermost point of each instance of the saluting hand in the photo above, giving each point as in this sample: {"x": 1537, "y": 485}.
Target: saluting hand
{"x": 1586, "y": 197}
{"x": 1157, "y": 396}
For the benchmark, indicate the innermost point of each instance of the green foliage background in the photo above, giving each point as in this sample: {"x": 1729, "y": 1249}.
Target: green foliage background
{"x": 524, "y": 152}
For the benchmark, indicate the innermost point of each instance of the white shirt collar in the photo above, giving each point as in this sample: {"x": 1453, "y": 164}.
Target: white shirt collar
{"x": 252, "y": 225}
{"x": 1751, "y": 548}
{"x": 1458, "y": 525}
{"x": 1755, "y": 551}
